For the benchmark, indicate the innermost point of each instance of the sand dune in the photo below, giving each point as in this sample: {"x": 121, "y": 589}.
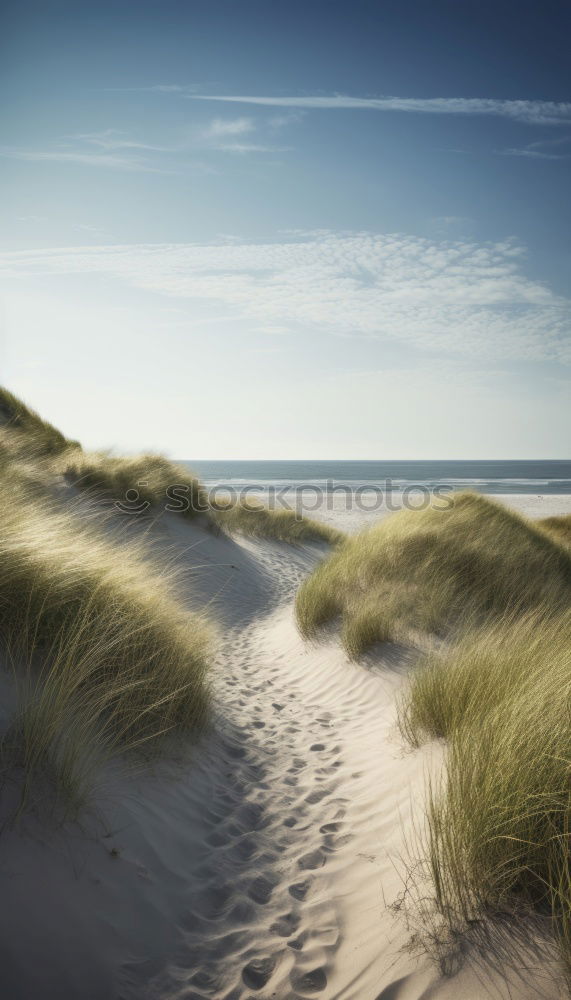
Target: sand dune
{"x": 261, "y": 863}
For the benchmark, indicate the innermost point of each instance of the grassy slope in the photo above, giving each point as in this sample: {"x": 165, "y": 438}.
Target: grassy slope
{"x": 145, "y": 477}
{"x": 104, "y": 655}
{"x": 558, "y": 527}
{"x": 499, "y": 691}
{"x": 254, "y": 519}
{"x": 499, "y": 823}
{"x": 148, "y": 477}
{"x": 428, "y": 571}
{"x": 40, "y": 437}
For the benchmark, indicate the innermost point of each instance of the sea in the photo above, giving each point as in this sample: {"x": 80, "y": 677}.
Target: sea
{"x": 517, "y": 476}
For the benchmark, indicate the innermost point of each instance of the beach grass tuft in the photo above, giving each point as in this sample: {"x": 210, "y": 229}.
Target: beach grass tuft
{"x": 148, "y": 479}
{"x": 256, "y": 520}
{"x": 40, "y": 437}
{"x": 499, "y": 819}
{"x": 430, "y": 572}
{"x": 493, "y": 591}
{"x": 103, "y": 656}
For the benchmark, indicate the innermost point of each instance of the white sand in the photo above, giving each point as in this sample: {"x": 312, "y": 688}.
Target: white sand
{"x": 262, "y": 866}
{"x": 353, "y": 515}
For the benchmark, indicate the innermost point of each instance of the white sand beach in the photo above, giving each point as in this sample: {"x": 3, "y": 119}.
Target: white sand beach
{"x": 263, "y": 863}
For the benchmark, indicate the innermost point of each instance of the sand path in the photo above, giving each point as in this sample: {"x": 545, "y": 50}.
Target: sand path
{"x": 261, "y": 867}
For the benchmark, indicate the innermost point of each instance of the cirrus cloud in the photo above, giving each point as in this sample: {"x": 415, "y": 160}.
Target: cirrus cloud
{"x": 456, "y": 298}
{"x": 529, "y": 111}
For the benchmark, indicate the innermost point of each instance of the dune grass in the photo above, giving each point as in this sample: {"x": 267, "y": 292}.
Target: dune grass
{"x": 147, "y": 479}
{"x": 104, "y": 656}
{"x": 499, "y": 822}
{"x": 495, "y": 589}
{"x": 254, "y": 519}
{"x": 430, "y": 571}
{"x": 558, "y": 527}
{"x": 160, "y": 484}
{"x": 41, "y": 437}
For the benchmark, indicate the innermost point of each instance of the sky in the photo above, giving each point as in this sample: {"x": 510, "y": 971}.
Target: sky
{"x": 306, "y": 230}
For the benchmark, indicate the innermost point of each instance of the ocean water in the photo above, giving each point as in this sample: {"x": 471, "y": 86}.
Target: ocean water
{"x": 513, "y": 476}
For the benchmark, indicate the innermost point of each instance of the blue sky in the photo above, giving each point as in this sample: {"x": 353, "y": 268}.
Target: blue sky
{"x": 318, "y": 230}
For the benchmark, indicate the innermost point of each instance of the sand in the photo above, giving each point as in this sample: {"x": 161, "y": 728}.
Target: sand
{"x": 262, "y": 863}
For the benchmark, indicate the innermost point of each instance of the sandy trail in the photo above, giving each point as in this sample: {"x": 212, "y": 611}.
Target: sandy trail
{"x": 261, "y": 867}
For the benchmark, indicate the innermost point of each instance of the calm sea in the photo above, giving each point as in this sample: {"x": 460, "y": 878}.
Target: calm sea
{"x": 519, "y": 476}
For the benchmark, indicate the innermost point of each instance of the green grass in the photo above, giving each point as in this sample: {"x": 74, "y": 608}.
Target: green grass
{"x": 149, "y": 476}
{"x": 499, "y": 822}
{"x": 254, "y": 519}
{"x": 494, "y": 589}
{"x": 104, "y": 655}
{"x": 114, "y": 478}
{"x": 428, "y": 572}
{"x": 558, "y": 527}
{"x": 41, "y": 438}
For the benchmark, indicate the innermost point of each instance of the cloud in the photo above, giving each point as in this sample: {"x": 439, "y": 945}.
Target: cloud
{"x": 288, "y": 118}
{"x": 87, "y": 159}
{"x": 221, "y": 130}
{"x": 445, "y": 222}
{"x": 31, "y": 218}
{"x": 534, "y": 154}
{"x": 543, "y": 149}
{"x": 531, "y": 112}
{"x": 112, "y": 138}
{"x": 157, "y": 88}
{"x": 230, "y": 126}
{"x": 250, "y": 147}
{"x": 457, "y": 298}
{"x": 94, "y": 231}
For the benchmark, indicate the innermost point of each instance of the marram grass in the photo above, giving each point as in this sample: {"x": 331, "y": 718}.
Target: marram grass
{"x": 165, "y": 485}
{"x": 558, "y": 527}
{"x": 495, "y": 589}
{"x": 104, "y": 655}
{"x": 499, "y": 821}
{"x": 429, "y": 571}
{"x": 41, "y": 437}
{"x": 146, "y": 478}
{"x": 254, "y": 519}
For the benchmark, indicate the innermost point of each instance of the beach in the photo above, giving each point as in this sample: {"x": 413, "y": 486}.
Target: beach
{"x": 269, "y": 858}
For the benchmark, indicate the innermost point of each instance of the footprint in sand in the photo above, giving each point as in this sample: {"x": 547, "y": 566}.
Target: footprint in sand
{"x": 257, "y": 972}
{"x": 261, "y": 889}
{"x": 299, "y": 890}
{"x": 310, "y": 982}
{"x": 285, "y": 925}
{"x": 312, "y": 860}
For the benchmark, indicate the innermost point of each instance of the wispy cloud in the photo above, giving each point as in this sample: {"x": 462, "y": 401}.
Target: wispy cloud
{"x": 532, "y": 112}
{"x": 95, "y": 232}
{"x": 87, "y": 159}
{"x": 229, "y": 126}
{"x": 112, "y": 138}
{"x": 116, "y": 149}
{"x": 447, "y": 222}
{"x": 222, "y": 133}
{"x": 534, "y": 154}
{"x": 457, "y": 298}
{"x": 158, "y": 88}
{"x": 32, "y": 218}
{"x": 250, "y": 147}
{"x": 543, "y": 149}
